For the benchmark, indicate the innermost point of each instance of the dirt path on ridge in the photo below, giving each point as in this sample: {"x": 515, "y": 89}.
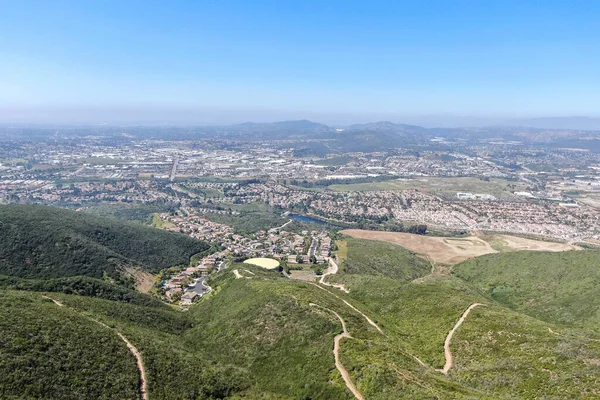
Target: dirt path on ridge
{"x": 336, "y": 354}
{"x": 331, "y": 270}
{"x": 447, "y": 352}
{"x": 131, "y": 347}
{"x": 369, "y": 320}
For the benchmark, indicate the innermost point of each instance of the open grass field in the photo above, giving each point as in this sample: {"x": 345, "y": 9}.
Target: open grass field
{"x": 450, "y": 250}
{"x": 441, "y": 186}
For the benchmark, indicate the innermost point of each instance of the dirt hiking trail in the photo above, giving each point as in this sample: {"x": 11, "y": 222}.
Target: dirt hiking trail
{"x": 131, "y": 347}
{"x": 331, "y": 270}
{"x": 447, "y": 352}
{"x": 369, "y": 320}
{"x": 336, "y": 354}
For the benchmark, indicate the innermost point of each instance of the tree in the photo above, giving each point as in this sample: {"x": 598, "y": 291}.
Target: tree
{"x": 176, "y": 297}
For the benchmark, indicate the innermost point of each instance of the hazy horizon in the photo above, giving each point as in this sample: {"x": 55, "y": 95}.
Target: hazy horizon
{"x": 202, "y": 117}
{"x": 442, "y": 63}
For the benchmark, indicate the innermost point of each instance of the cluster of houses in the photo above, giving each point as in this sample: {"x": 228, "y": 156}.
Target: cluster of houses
{"x": 190, "y": 282}
{"x": 320, "y": 249}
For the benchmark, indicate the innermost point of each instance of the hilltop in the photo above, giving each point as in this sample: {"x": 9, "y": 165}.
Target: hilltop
{"x": 48, "y": 242}
{"x": 556, "y": 287}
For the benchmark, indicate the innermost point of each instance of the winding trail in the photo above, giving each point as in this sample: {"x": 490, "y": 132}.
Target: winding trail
{"x": 447, "y": 352}
{"x": 131, "y": 347}
{"x": 58, "y": 303}
{"x": 140, "y": 364}
{"x": 332, "y": 269}
{"x": 369, "y": 320}
{"x": 336, "y": 354}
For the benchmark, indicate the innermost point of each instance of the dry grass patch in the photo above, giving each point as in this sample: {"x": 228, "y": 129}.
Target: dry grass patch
{"x": 449, "y": 250}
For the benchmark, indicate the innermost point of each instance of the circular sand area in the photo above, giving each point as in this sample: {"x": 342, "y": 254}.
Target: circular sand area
{"x": 267, "y": 263}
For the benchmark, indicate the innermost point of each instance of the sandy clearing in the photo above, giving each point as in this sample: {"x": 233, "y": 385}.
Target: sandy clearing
{"x": 144, "y": 281}
{"x": 131, "y": 347}
{"x": 237, "y": 274}
{"x": 447, "y": 352}
{"x": 336, "y": 354}
{"x": 452, "y": 250}
{"x": 438, "y": 249}
{"x": 516, "y": 243}
{"x": 303, "y": 275}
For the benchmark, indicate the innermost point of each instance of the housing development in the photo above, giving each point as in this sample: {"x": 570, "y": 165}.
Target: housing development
{"x": 549, "y": 192}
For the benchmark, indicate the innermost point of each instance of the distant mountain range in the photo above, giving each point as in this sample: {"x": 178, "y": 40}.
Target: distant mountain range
{"x": 368, "y": 137}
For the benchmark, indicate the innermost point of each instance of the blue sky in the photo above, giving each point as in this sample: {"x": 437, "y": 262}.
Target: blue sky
{"x": 480, "y": 58}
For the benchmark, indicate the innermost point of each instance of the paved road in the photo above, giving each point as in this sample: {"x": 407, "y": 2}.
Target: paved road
{"x": 200, "y": 286}
{"x": 173, "y": 170}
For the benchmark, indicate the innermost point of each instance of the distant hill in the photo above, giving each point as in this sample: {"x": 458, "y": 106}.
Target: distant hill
{"x": 579, "y": 132}
{"x": 558, "y": 287}
{"x": 48, "y": 242}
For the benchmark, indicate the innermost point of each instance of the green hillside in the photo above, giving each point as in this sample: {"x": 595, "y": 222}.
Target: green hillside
{"x": 47, "y": 242}
{"x": 79, "y": 285}
{"x": 264, "y": 336}
{"x": 372, "y": 257}
{"x": 558, "y": 287}
{"x": 52, "y": 353}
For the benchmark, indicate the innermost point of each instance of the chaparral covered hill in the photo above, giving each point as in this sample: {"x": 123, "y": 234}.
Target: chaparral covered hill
{"x": 261, "y": 335}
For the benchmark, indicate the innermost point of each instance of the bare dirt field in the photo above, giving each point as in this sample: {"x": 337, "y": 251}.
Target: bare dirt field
{"x": 143, "y": 280}
{"x": 452, "y": 250}
{"x": 303, "y": 275}
{"x": 516, "y": 243}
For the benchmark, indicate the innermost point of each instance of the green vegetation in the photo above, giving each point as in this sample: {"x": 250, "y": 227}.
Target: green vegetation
{"x": 52, "y": 353}
{"x": 519, "y": 357}
{"x": 373, "y": 257}
{"x": 79, "y": 285}
{"x": 142, "y": 213}
{"x": 252, "y": 218}
{"x": 269, "y": 337}
{"x": 47, "y": 242}
{"x": 557, "y": 287}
